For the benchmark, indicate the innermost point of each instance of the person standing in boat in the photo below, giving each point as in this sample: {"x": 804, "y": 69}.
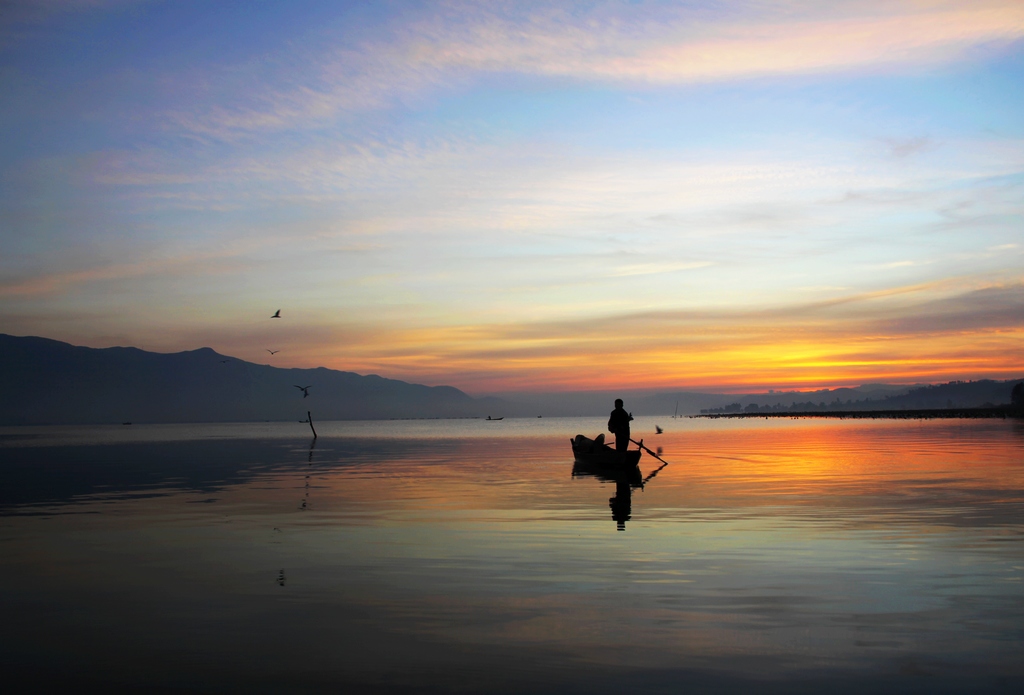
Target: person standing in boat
{"x": 618, "y": 423}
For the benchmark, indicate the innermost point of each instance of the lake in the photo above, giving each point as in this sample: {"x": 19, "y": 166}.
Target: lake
{"x": 470, "y": 556}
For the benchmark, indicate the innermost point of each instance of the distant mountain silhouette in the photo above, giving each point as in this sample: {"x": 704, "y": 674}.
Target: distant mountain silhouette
{"x": 45, "y": 381}
{"x": 951, "y": 395}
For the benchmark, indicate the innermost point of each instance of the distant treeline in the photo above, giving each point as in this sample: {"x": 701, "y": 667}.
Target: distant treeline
{"x": 984, "y": 393}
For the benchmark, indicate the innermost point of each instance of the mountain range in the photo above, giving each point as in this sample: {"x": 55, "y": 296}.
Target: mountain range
{"x": 45, "y": 381}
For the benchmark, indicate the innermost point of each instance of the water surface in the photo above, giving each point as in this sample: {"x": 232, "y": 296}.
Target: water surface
{"x": 470, "y": 556}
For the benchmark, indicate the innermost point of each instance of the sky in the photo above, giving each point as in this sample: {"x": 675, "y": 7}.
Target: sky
{"x": 519, "y": 196}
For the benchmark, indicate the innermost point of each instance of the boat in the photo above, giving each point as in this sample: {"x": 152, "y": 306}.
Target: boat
{"x": 495, "y": 419}
{"x": 596, "y": 452}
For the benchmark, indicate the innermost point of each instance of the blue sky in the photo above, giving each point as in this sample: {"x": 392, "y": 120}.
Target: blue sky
{"x": 517, "y": 196}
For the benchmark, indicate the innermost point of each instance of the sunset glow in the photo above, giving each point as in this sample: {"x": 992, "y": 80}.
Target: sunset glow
{"x": 524, "y": 196}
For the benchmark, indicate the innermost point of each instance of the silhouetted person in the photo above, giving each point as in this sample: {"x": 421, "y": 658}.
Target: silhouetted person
{"x": 618, "y": 423}
{"x": 621, "y": 504}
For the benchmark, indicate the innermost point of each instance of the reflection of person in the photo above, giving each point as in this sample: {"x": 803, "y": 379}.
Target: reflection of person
{"x": 621, "y": 504}
{"x": 618, "y": 423}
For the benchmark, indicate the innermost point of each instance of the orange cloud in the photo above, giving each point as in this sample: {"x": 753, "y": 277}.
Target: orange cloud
{"x": 975, "y": 333}
{"x": 817, "y": 45}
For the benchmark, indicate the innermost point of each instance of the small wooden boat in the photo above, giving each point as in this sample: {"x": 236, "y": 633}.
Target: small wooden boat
{"x": 495, "y": 419}
{"x": 596, "y": 452}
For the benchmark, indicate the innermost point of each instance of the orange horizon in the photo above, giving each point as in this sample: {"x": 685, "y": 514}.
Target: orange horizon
{"x": 714, "y": 365}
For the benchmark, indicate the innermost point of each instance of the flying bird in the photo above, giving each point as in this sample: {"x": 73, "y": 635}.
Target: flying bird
{"x": 225, "y": 361}
{"x": 658, "y": 430}
{"x": 277, "y": 314}
{"x": 273, "y": 352}
{"x": 304, "y": 389}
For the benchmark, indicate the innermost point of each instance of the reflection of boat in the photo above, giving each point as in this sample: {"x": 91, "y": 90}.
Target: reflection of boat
{"x": 608, "y": 474}
{"x": 495, "y": 418}
{"x": 596, "y": 452}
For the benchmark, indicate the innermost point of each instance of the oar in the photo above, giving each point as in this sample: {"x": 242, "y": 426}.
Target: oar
{"x": 653, "y": 473}
{"x": 641, "y": 445}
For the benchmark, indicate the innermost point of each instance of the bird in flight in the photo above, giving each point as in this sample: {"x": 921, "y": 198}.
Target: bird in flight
{"x": 277, "y": 314}
{"x": 304, "y": 389}
{"x": 225, "y": 361}
{"x": 658, "y": 430}
{"x": 273, "y": 352}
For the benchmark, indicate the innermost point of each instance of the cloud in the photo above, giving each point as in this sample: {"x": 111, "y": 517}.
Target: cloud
{"x": 996, "y": 308}
{"x": 821, "y": 45}
{"x": 902, "y": 264}
{"x": 457, "y": 44}
{"x": 541, "y": 230}
{"x": 906, "y": 147}
{"x": 657, "y": 268}
{"x": 187, "y": 264}
{"x": 951, "y": 329}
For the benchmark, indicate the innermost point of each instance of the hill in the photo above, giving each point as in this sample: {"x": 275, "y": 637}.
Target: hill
{"x": 949, "y": 396}
{"x": 45, "y": 381}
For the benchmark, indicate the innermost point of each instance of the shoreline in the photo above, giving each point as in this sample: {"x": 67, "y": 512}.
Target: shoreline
{"x": 999, "y": 411}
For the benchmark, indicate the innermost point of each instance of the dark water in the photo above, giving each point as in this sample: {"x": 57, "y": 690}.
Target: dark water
{"x": 463, "y": 556}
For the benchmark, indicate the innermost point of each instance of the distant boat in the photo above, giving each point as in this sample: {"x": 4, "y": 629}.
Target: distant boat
{"x": 676, "y": 414}
{"x": 126, "y": 423}
{"x": 596, "y": 452}
{"x": 495, "y": 418}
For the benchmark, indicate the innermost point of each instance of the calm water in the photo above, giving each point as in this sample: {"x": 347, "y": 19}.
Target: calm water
{"x": 467, "y": 556}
